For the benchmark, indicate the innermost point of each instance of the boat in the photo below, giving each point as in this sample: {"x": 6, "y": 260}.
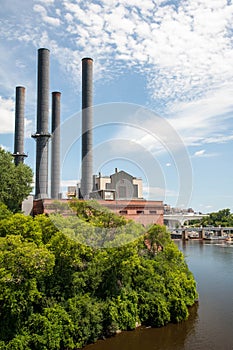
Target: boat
{"x": 215, "y": 238}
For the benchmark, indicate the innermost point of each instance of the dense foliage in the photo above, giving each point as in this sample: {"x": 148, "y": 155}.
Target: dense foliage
{"x": 223, "y": 218}
{"x": 15, "y": 181}
{"x": 57, "y": 293}
{"x": 94, "y": 225}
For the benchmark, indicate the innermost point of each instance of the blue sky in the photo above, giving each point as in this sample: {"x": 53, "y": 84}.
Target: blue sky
{"x": 173, "y": 58}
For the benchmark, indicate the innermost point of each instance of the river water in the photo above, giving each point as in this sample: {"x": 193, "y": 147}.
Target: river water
{"x": 210, "y": 325}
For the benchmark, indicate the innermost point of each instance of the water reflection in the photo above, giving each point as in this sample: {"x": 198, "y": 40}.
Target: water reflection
{"x": 164, "y": 338}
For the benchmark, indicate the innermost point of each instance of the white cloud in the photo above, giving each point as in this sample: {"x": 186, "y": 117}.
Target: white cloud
{"x": 52, "y": 20}
{"x": 43, "y": 12}
{"x": 7, "y": 118}
{"x": 46, "y": 2}
{"x": 68, "y": 17}
{"x": 219, "y": 139}
{"x": 6, "y": 148}
{"x": 199, "y": 153}
{"x": 183, "y": 54}
{"x": 158, "y": 192}
{"x": 29, "y": 128}
{"x": 7, "y": 107}
{"x": 202, "y": 154}
{"x": 204, "y": 120}
{"x": 205, "y": 207}
{"x": 66, "y": 183}
{"x": 187, "y": 59}
{"x": 40, "y": 9}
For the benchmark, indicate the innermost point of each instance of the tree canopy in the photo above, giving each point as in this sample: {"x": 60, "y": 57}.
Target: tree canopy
{"x": 57, "y": 293}
{"x": 97, "y": 226}
{"x": 223, "y": 218}
{"x": 15, "y": 181}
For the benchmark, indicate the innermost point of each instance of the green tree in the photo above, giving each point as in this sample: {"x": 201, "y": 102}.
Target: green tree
{"x": 91, "y": 211}
{"x": 24, "y": 226}
{"x": 87, "y": 316}
{"x": 46, "y": 226}
{"x": 96, "y": 226}
{"x": 51, "y": 329}
{"x": 4, "y": 212}
{"x": 15, "y": 181}
{"x": 222, "y": 218}
{"x": 57, "y": 293}
{"x": 153, "y": 309}
{"x": 23, "y": 265}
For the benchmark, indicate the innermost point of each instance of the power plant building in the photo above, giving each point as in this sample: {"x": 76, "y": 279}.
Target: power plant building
{"x": 118, "y": 186}
{"x": 121, "y": 192}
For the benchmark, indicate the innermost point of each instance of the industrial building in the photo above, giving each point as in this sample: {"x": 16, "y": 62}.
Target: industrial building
{"x": 118, "y": 186}
{"x": 120, "y": 192}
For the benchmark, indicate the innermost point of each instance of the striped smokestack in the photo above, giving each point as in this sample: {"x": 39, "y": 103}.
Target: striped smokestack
{"x": 42, "y": 135}
{"x": 19, "y": 125}
{"x": 55, "y": 154}
{"x": 87, "y": 116}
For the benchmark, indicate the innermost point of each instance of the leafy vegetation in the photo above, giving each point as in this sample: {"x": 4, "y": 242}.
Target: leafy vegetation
{"x": 223, "y": 218}
{"x": 15, "y": 181}
{"x": 58, "y": 293}
{"x": 96, "y": 226}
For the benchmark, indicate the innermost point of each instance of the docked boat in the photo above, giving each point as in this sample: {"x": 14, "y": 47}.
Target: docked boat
{"x": 215, "y": 238}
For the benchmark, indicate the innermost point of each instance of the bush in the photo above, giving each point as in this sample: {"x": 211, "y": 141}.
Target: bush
{"x": 153, "y": 309}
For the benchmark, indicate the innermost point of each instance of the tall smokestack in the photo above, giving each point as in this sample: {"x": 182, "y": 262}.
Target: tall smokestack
{"x": 42, "y": 135}
{"x": 55, "y": 155}
{"x": 19, "y": 125}
{"x": 87, "y": 116}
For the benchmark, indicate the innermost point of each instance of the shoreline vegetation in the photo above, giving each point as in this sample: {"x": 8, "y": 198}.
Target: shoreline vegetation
{"x": 66, "y": 282}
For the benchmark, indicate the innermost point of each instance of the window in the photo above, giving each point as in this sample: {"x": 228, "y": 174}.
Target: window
{"x": 140, "y": 211}
{"x": 109, "y": 196}
{"x": 153, "y": 212}
{"x": 123, "y": 212}
{"x": 121, "y": 191}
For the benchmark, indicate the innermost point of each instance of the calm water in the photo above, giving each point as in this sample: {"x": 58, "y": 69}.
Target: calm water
{"x": 210, "y": 325}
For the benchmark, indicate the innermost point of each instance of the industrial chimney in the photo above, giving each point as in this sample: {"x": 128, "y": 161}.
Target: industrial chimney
{"x": 55, "y": 151}
{"x": 42, "y": 135}
{"x": 87, "y": 116}
{"x": 19, "y": 154}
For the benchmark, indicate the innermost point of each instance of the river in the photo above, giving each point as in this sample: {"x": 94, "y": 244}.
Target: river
{"x": 210, "y": 325}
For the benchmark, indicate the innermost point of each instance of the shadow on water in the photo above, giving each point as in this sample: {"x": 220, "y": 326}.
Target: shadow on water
{"x": 164, "y": 338}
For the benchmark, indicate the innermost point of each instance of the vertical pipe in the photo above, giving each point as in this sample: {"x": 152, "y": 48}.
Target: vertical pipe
{"x": 19, "y": 125}
{"x": 55, "y": 151}
{"x": 43, "y": 91}
{"x": 87, "y": 116}
{"x": 42, "y": 135}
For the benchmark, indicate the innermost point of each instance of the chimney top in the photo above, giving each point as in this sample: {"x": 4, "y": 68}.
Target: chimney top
{"x": 87, "y": 58}
{"x": 43, "y": 48}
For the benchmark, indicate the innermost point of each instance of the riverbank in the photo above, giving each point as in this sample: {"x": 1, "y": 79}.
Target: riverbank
{"x": 209, "y": 325}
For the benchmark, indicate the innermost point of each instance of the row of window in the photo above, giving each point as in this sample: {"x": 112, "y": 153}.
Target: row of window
{"x": 125, "y": 212}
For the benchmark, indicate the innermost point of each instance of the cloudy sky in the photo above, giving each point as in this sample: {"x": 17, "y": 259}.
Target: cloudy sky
{"x": 173, "y": 58}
